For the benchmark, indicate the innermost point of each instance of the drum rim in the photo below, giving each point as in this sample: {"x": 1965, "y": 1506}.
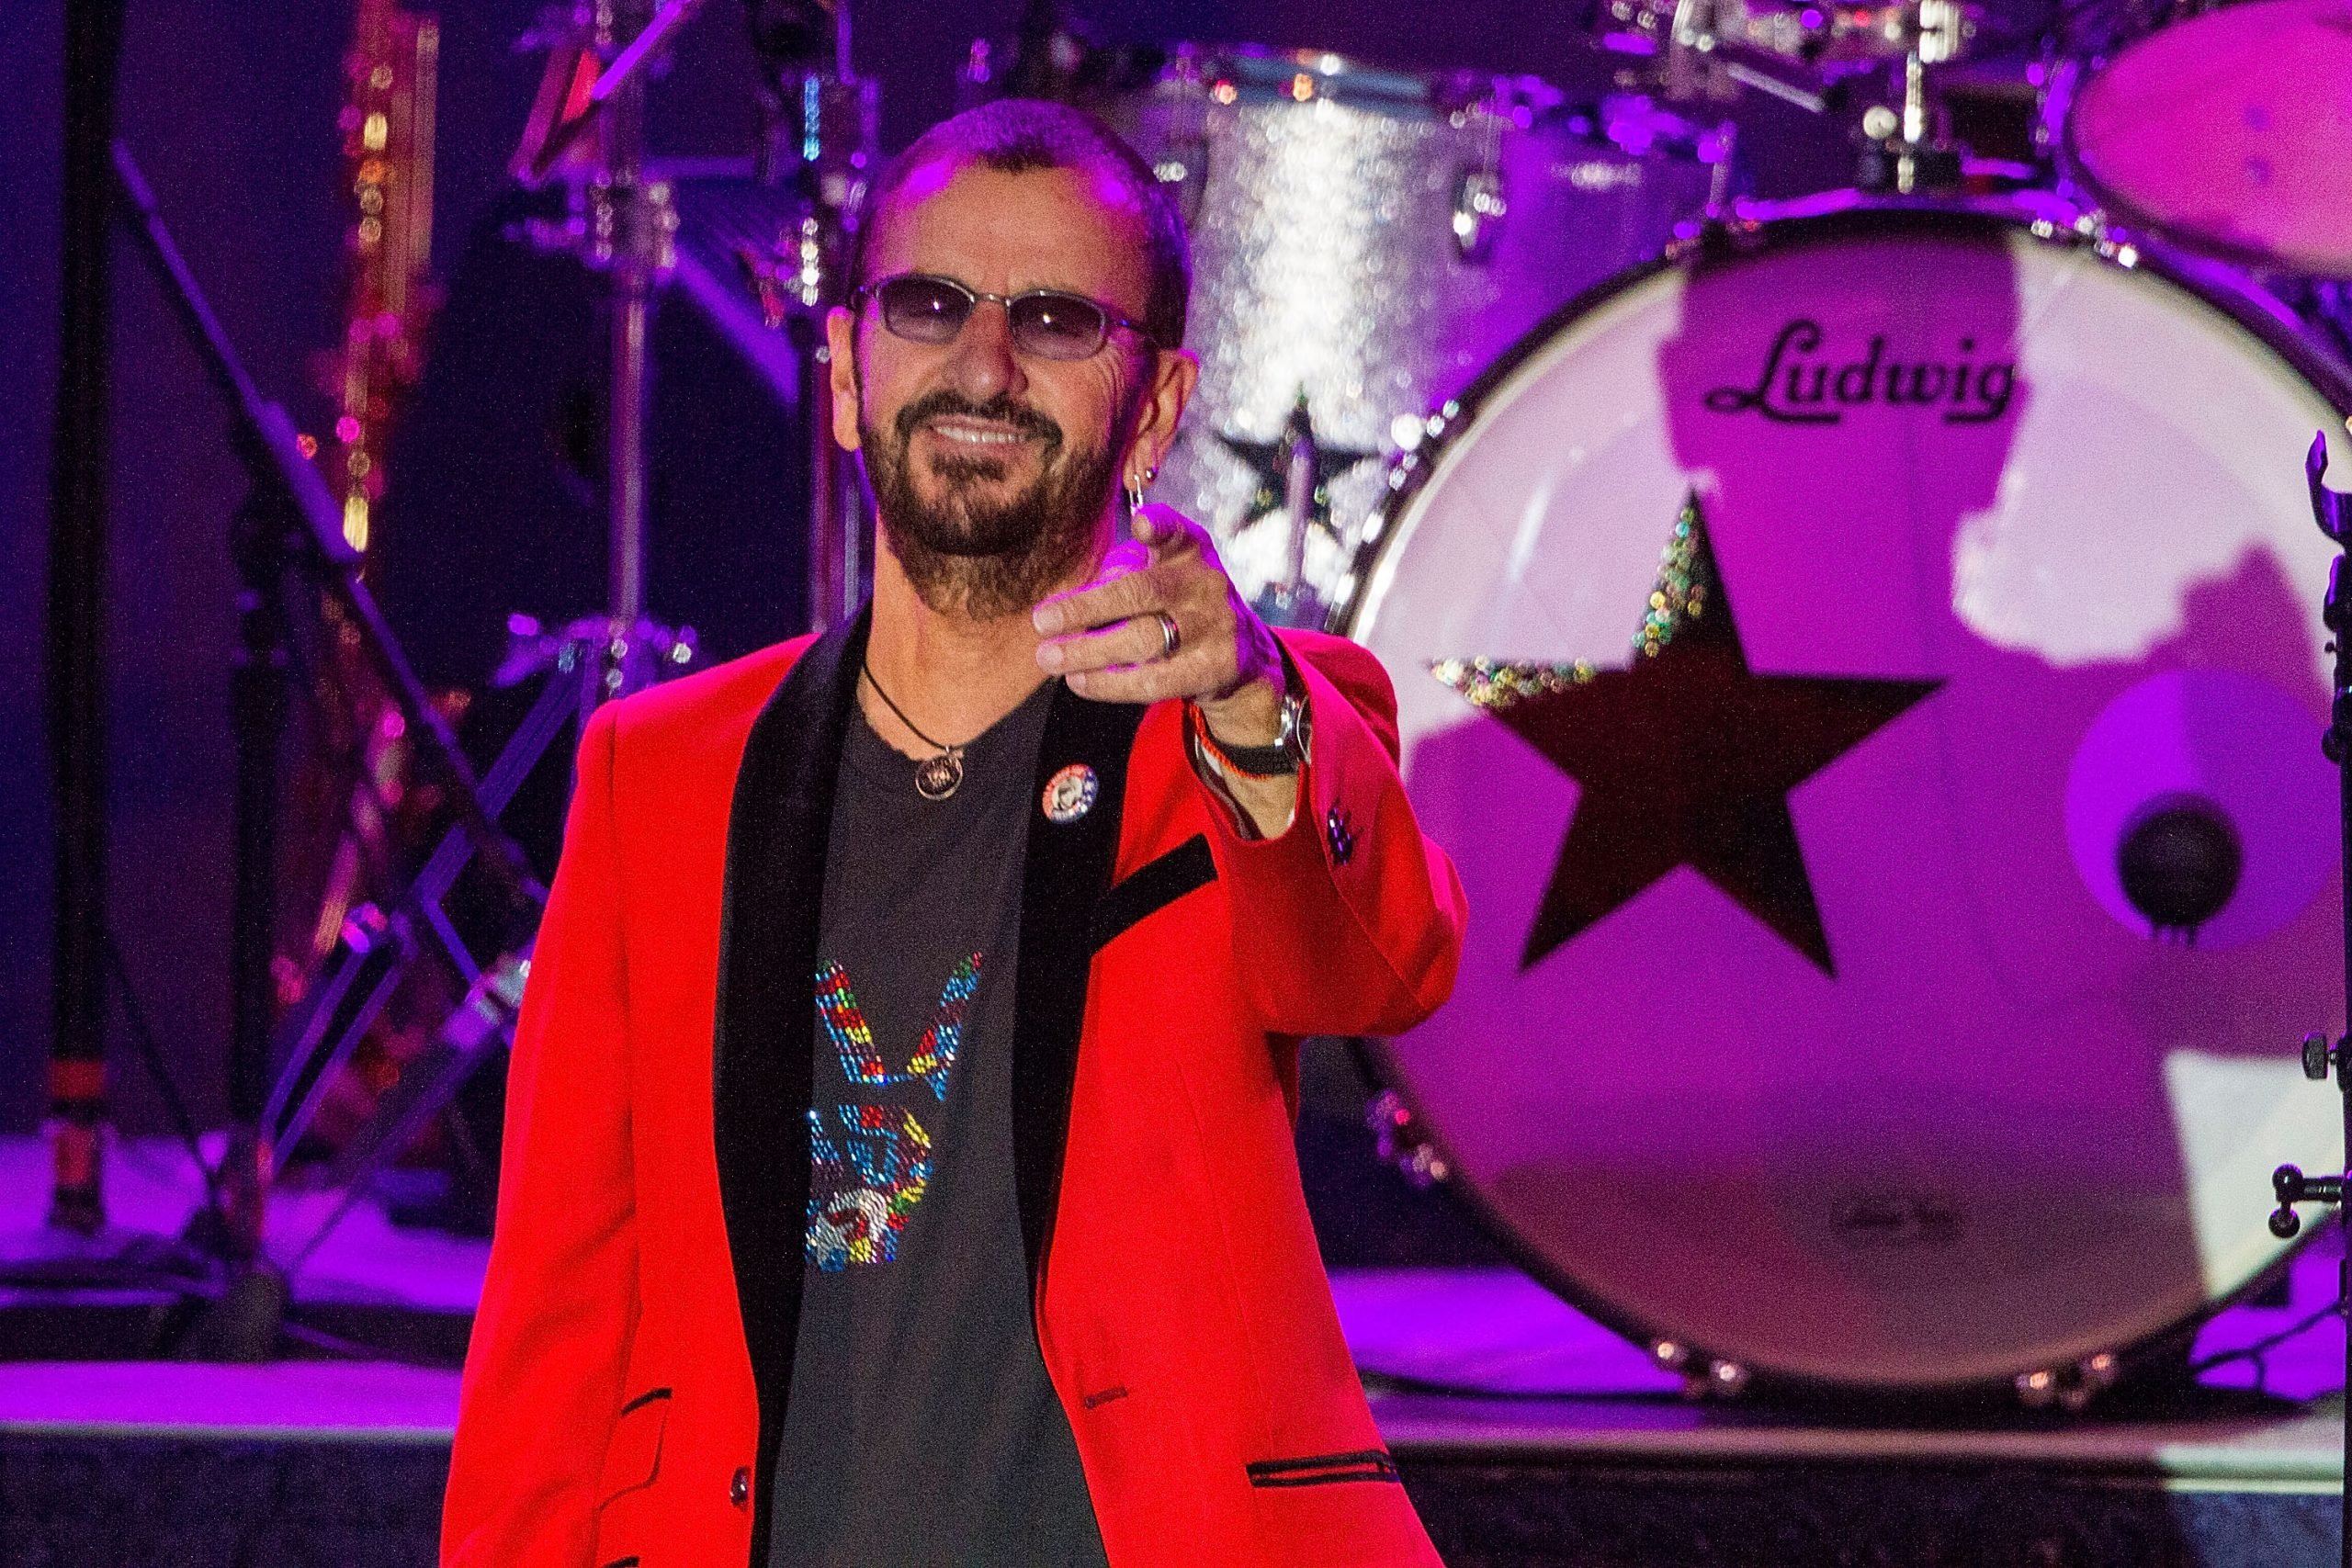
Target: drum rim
{"x": 2128, "y": 215}
{"x": 1758, "y": 229}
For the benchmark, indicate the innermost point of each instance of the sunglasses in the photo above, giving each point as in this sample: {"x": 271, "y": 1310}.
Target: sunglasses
{"x": 1045, "y": 323}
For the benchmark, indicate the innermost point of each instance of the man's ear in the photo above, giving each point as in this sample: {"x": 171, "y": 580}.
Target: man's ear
{"x": 840, "y": 342}
{"x": 1174, "y": 373}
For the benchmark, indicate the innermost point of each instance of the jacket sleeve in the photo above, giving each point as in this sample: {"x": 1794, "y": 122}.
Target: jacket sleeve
{"x": 543, "y": 1371}
{"x": 1350, "y": 921}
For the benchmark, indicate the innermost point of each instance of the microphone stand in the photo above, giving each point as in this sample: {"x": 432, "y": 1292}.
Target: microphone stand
{"x": 288, "y": 526}
{"x": 2332, "y": 511}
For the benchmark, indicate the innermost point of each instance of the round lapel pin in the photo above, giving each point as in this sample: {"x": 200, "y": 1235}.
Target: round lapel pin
{"x": 1070, "y": 794}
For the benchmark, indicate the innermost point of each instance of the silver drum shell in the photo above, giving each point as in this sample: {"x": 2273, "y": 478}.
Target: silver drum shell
{"x": 1324, "y": 203}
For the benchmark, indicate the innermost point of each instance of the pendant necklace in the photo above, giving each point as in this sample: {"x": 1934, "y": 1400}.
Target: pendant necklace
{"x": 935, "y": 777}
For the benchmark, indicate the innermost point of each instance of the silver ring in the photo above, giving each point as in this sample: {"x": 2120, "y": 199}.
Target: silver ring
{"x": 1170, "y": 640}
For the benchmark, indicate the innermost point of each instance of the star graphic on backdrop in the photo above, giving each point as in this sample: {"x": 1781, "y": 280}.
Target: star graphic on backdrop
{"x": 1270, "y": 461}
{"x": 1685, "y": 758}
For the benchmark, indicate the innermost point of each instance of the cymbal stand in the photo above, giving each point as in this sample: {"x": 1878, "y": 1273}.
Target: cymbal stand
{"x": 822, "y": 135}
{"x": 2332, "y": 511}
{"x": 375, "y": 950}
{"x": 624, "y": 225}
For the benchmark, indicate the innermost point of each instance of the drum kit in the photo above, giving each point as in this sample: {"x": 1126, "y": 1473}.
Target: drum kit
{"x": 1856, "y": 649}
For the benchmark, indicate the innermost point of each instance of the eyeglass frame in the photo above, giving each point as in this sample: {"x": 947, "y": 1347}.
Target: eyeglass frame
{"x": 978, "y": 297}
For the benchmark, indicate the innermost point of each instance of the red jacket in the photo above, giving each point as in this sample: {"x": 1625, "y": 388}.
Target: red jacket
{"x": 624, "y": 1388}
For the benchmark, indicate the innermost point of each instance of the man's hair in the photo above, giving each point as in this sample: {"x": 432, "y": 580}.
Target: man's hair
{"x": 1016, "y": 136}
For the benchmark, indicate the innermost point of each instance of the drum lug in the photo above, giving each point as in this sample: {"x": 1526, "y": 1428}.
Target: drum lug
{"x": 1724, "y": 1380}
{"x": 2070, "y": 1388}
{"x": 1478, "y": 211}
{"x": 1703, "y": 1376}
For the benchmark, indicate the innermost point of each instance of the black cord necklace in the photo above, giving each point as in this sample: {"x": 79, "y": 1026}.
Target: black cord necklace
{"x": 935, "y": 777}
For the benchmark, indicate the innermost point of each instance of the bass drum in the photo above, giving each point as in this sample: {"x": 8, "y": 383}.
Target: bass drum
{"x": 1869, "y": 678}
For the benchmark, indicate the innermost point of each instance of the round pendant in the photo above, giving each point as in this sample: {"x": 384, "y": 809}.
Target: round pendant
{"x": 937, "y": 777}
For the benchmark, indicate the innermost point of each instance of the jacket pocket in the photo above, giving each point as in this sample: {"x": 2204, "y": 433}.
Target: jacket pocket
{"x": 1325, "y": 1469}
{"x": 633, "y": 1457}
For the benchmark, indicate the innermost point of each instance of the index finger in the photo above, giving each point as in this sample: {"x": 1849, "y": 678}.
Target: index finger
{"x": 1111, "y": 597}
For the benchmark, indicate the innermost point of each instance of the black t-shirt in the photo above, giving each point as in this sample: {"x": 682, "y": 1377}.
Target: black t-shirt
{"x": 921, "y": 1427}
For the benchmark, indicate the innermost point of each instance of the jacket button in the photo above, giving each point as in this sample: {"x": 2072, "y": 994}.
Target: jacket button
{"x": 738, "y": 1491}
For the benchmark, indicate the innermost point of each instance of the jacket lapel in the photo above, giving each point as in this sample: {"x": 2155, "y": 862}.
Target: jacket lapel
{"x": 778, "y": 827}
{"x": 1068, "y": 870}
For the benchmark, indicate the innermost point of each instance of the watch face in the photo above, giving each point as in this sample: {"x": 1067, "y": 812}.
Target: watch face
{"x": 1294, "y": 735}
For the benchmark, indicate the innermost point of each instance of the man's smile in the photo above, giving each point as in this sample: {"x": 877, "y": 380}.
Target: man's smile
{"x": 965, "y": 431}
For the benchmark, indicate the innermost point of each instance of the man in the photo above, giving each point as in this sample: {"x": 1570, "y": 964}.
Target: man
{"x": 898, "y": 1162}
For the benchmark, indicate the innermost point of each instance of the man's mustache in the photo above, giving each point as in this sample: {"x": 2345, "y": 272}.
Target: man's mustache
{"x": 943, "y": 404}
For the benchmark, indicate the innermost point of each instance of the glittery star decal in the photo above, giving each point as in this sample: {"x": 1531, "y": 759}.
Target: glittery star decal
{"x": 1686, "y": 758}
{"x": 1270, "y": 460}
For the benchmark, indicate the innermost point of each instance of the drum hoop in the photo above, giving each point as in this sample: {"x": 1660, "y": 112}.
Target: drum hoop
{"x": 1760, "y": 228}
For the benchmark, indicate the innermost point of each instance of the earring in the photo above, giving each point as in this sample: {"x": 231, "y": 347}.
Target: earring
{"x": 1135, "y": 488}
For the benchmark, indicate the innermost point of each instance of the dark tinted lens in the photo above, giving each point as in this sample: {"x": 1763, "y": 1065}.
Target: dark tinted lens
{"x": 1058, "y": 326}
{"x": 927, "y": 310}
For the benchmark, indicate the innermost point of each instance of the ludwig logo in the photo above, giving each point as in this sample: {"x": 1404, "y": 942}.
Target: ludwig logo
{"x": 1802, "y": 382}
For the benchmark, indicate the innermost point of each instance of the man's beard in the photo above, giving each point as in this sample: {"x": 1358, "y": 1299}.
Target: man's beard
{"x": 987, "y": 558}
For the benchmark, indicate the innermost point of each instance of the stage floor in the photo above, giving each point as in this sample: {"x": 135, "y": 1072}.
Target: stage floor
{"x": 1526, "y": 1433}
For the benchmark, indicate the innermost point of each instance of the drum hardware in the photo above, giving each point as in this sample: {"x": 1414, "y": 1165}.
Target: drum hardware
{"x": 621, "y": 223}
{"x": 580, "y": 667}
{"x": 377, "y": 949}
{"x": 1303, "y": 469}
{"x": 2332, "y": 510}
{"x": 1479, "y": 204}
{"x": 1183, "y": 159}
{"x": 1711, "y": 49}
{"x": 1811, "y": 56}
{"x": 1703, "y": 1377}
{"x": 821, "y": 136}
{"x": 290, "y": 527}
{"x": 483, "y": 1025}
{"x": 1908, "y": 144}
{"x": 2070, "y": 1388}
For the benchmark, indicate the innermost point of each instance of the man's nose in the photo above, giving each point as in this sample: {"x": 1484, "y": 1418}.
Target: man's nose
{"x": 984, "y": 362}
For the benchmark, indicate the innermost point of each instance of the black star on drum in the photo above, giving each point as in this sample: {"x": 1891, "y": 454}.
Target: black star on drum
{"x": 1686, "y": 758}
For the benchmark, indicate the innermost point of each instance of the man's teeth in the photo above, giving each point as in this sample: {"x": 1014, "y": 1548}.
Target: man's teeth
{"x": 978, "y": 438}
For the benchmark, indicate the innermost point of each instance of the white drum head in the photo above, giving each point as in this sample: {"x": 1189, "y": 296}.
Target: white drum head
{"x": 1806, "y": 1016}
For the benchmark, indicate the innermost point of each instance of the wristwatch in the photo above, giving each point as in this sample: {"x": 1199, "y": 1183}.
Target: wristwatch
{"x": 1287, "y": 753}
